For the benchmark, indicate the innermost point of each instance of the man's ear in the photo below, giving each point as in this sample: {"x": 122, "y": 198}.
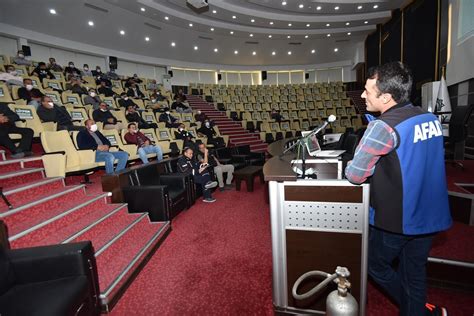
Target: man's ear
{"x": 386, "y": 98}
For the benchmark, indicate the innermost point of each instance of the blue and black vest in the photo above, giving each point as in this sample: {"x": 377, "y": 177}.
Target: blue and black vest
{"x": 408, "y": 188}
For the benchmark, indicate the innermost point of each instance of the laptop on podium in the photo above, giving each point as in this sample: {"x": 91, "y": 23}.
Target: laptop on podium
{"x": 314, "y": 149}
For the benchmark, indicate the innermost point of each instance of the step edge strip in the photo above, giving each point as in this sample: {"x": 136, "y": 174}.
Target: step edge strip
{"x": 21, "y": 172}
{"x": 33, "y": 185}
{"x": 451, "y": 262}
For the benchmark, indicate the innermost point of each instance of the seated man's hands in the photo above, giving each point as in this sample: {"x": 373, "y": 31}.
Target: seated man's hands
{"x": 3, "y": 119}
{"x": 103, "y": 148}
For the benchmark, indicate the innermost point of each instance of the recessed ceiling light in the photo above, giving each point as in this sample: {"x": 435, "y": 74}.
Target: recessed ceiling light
{"x": 52, "y": 11}
{"x": 271, "y": 22}
{"x": 313, "y": 51}
{"x": 173, "y": 44}
{"x": 190, "y": 25}
{"x": 283, "y": 3}
{"x": 336, "y": 8}
{"x": 336, "y": 49}
{"x": 254, "y": 53}
{"x": 349, "y": 33}
{"x": 348, "y": 23}
{"x": 231, "y": 32}
{"x": 308, "y": 25}
{"x": 196, "y": 48}
{"x": 251, "y": 35}
{"x": 91, "y": 23}
{"x": 328, "y": 24}
{"x": 212, "y": 29}
{"x": 252, "y": 20}
{"x": 376, "y": 6}
{"x": 329, "y": 35}
{"x": 273, "y": 53}
{"x": 122, "y": 32}
{"x": 147, "y": 39}
{"x": 214, "y": 11}
{"x": 301, "y": 6}
{"x": 366, "y": 22}
{"x": 289, "y": 36}
{"x": 215, "y": 50}
{"x": 318, "y": 8}
{"x": 143, "y": 9}
{"x": 289, "y": 53}
{"x": 359, "y": 7}
{"x": 167, "y": 18}
{"x": 269, "y": 36}
{"x": 306, "y": 36}
{"x": 236, "y": 52}
{"x": 234, "y": 17}
{"x": 289, "y": 24}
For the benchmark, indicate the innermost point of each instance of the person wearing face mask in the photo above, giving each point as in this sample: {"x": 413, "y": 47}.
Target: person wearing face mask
{"x": 134, "y": 117}
{"x": 86, "y": 71}
{"x": 135, "y": 92}
{"x": 136, "y": 79}
{"x": 41, "y": 71}
{"x": 11, "y": 76}
{"x": 152, "y": 86}
{"x": 125, "y": 101}
{"x": 7, "y": 126}
{"x": 207, "y": 130}
{"x": 180, "y": 107}
{"x": 90, "y": 138}
{"x": 20, "y": 59}
{"x": 50, "y": 112}
{"x": 112, "y": 75}
{"x": 71, "y": 70}
{"x": 35, "y": 98}
{"x": 200, "y": 117}
{"x": 105, "y": 116}
{"x": 144, "y": 144}
{"x": 53, "y": 66}
{"x": 186, "y": 136}
{"x": 75, "y": 85}
{"x": 93, "y": 99}
{"x": 27, "y": 90}
{"x": 168, "y": 119}
{"x": 219, "y": 168}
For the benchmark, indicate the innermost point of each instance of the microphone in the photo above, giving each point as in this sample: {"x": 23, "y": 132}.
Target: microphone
{"x": 330, "y": 119}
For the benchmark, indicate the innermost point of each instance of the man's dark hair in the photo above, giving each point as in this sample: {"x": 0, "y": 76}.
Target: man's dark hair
{"x": 123, "y": 94}
{"x": 394, "y": 78}
{"x": 27, "y": 79}
{"x": 186, "y": 149}
{"x": 41, "y": 63}
{"x": 131, "y": 124}
{"x": 43, "y": 97}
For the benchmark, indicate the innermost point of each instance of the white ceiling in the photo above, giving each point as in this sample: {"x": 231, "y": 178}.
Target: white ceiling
{"x": 306, "y": 27}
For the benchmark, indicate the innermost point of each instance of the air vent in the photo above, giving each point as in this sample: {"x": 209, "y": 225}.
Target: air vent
{"x": 294, "y": 43}
{"x": 152, "y": 26}
{"x": 93, "y": 7}
{"x": 252, "y": 43}
{"x": 342, "y": 41}
{"x": 206, "y": 38}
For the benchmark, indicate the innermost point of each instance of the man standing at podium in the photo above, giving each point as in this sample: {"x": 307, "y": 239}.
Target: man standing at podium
{"x": 402, "y": 155}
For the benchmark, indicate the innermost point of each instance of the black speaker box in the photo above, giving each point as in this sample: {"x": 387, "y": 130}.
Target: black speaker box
{"x": 306, "y": 76}
{"x": 219, "y": 77}
{"x": 26, "y": 50}
{"x": 170, "y": 72}
{"x": 264, "y": 75}
{"x": 113, "y": 64}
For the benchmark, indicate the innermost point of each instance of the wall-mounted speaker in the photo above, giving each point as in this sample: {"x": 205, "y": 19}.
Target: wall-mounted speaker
{"x": 170, "y": 72}
{"x": 26, "y": 50}
{"x": 306, "y": 76}
{"x": 113, "y": 63}
{"x": 264, "y": 75}
{"x": 219, "y": 77}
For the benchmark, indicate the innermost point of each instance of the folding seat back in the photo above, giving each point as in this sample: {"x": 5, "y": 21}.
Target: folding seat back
{"x": 187, "y": 117}
{"x": 304, "y": 125}
{"x": 164, "y": 134}
{"x": 256, "y": 116}
{"x": 149, "y": 116}
{"x": 265, "y": 116}
{"x": 78, "y": 115}
{"x": 115, "y": 140}
{"x": 5, "y": 93}
{"x": 294, "y": 115}
{"x": 285, "y": 126}
{"x": 274, "y": 126}
{"x": 71, "y": 98}
{"x": 27, "y": 114}
{"x": 54, "y": 84}
{"x": 54, "y": 95}
{"x": 295, "y": 126}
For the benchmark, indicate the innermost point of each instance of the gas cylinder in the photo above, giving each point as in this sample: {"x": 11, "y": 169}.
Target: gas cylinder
{"x": 340, "y": 302}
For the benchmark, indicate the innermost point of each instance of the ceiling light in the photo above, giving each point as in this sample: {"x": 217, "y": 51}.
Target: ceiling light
{"x": 359, "y": 7}
{"x": 283, "y": 3}
{"x": 234, "y": 17}
{"x": 167, "y": 18}
{"x": 236, "y": 52}
{"x": 212, "y": 29}
{"x": 348, "y": 23}
{"x": 214, "y": 11}
{"x": 336, "y": 49}
{"x": 366, "y": 22}
{"x": 196, "y": 48}
{"x": 143, "y": 9}
{"x": 91, "y": 23}
{"x": 301, "y": 6}
{"x": 336, "y": 8}
{"x": 269, "y": 36}
{"x": 313, "y": 51}
{"x": 273, "y": 53}
{"x": 349, "y": 33}
{"x": 147, "y": 39}
{"x": 252, "y": 20}
{"x": 251, "y": 35}
{"x": 288, "y": 36}
{"x": 190, "y": 25}
{"x": 122, "y": 32}
{"x": 289, "y": 53}
{"x": 328, "y": 24}
{"x": 308, "y": 25}
{"x": 173, "y": 44}
{"x": 318, "y": 7}
{"x": 289, "y": 24}
{"x": 52, "y": 11}
{"x": 329, "y": 35}
{"x": 231, "y": 32}
{"x": 306, "y": 36}
{"x": 271, "y": 22}
{"x": 254, "y": 53}
{"x": 376, "y": 6}
{"x": 215, "y": 50}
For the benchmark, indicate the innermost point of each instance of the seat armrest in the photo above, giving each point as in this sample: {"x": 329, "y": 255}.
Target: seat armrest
{"x": 239, "y": 158}
{"x": 174, "y": 180}
{"x": 86, "y": 156}
{"x": 153, "y": 199}
{"x": 50, "y": 126}
{"x": 54, "y": 164}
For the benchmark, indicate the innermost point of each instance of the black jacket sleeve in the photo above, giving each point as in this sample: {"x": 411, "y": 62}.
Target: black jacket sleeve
{"x": 6, "y": 111}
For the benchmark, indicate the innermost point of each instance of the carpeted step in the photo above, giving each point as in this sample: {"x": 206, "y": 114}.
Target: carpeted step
{"x": 75, "y": 220}
{"x": 19, "y": 177}
{"x": 235, "y": 139}
{"x": 27, "y": 216}
{"x": 32, "y": 191}
{"x": 250, "y": 142}
{"x": 259, "y": 148}
{"x": 18, "y": 164}
{"x": 454, "y": 244}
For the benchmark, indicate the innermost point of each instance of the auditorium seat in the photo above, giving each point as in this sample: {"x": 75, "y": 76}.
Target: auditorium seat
{"x": 115, "y": 140}
{"x": 30, "y": 119}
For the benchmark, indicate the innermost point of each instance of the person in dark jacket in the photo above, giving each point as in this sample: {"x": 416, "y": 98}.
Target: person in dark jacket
{"x": 276, "y": 116}
{"x": 135, "y": 92}
{"x": 125, "y": 101}
{"x": 93, "y": 99}
{"x": 144, "y": 144}
{"x": 105, "y": 116}
{"x": 180, "y": 107}
{"x": 134, "y": 117}
{"x": 168, "y": 119}
{"x": 41, "y": 71}
{"x": 105, "y": 89}
{"x": 188, "y": 165}
{"x": 50, "y": 112}
{"x": 90, "y": 138}
{"x": 26, "y": 92}
{"x": 72, "y": 70}
{"x": 207, "y": 130}
{"x": 200, "y": 117}
{"x": 7, "y": 126}
{"x": 185, "y": 136}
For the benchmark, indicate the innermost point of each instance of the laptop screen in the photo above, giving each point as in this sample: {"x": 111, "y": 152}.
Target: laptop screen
{"x": 312, "y": 142}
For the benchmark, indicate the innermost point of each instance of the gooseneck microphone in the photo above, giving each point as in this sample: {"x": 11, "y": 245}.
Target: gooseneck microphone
{"x": 330, "y": 119}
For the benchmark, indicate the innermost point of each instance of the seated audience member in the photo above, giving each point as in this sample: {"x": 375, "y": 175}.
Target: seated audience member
{"x": 135, "y": 92}
{"x": 168, "y": 119}
{"x": 53, "y": 66}
{"x": 27, "y": 90}
{"x": 112, "y": 75}
{"x": 180, "y": 95}
{"x": 21, "y": 60}
{"x": 276, "y": 116}
{"x": 7, "y": 126}
{"x": 207, "y": 130}
{"x": 219, "y": 169}
{"x": 42, "y": 72}
{"x": 188, "y": 165}
{"x": 180, "y": 107}
{"x": 128, "y": 82}
{"x": 86, "y": 72}
{"x": 186, "y": 136}
{"x": 155, "y": 105}
{"x": 125, "y": 101}
{"x": 104, "y": 115}
{"x": 76, "y": 86}
{"x": 152, "y": 86}
{"x": 200, "y": 117}
{"x": 144, "y": 144}
{"x": 136, "y": 79}
{"x": 71, "y": 70}
{"x": 93, "y": 99}
{"x": 99, "y": 76}
{"x": 105, "y": 89}
{"x": 90, "y": 138}
{"x": 11, "y": 76}
{"x": 134, "y": 117}
{"x": 50, "y": 112}
{"x": 35, "y": 98}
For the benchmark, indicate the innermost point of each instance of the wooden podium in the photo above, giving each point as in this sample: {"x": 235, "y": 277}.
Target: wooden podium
{"x": 316, "y": 225}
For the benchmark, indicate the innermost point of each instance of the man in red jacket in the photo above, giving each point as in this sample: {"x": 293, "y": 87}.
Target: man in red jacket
{"x": 143, "y": 143}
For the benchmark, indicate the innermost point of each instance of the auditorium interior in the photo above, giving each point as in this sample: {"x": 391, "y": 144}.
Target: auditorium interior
{"x": 198, "y": 157}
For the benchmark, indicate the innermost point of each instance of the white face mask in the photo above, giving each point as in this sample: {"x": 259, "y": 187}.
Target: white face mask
{"x": 180, "y": 129}
{"x": 92, "y": 94}
{"x": 21, "y": 55}
{"x": 125, "y": 98}
{"x": 207, "y": 124}
{"x": 198, "y": 112}
{"x": 86, "y": 68}
{"x": 71, "y": 65}
{"x": 29, "y": 87}
{"x": 51, "y": 104}
{"x": 167, "y": 112}
{"x": 94, "y": 128}
{"x": 103, "y": 110}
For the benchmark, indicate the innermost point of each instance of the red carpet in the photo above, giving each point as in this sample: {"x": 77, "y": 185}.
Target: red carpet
{"x": 217, "y": 261}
